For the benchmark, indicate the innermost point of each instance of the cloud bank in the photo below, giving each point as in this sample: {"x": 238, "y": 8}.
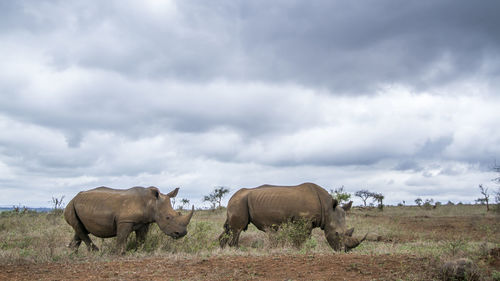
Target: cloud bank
{"x": 398, "y": 99}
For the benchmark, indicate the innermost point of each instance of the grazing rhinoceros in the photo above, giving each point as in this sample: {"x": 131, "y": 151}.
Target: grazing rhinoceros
{"x": 267, "y": 206}
{"x": 107, "y": 212}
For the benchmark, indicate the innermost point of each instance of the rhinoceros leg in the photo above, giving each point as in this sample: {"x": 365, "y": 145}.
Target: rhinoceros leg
{"x": 122, "y": 232}
{"x": 88, "y": 242}
{"x": 81, "y": 234}
{"x": 141, "y": 233}
{"x": 75, "y": 243}
{"x": 232, "y": 230}
{"x": 235, "y": 238}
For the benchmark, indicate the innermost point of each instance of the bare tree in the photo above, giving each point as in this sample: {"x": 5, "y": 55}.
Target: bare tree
{"x": 486, "y": 197}
{"x": 58, "y": 204}
{"x": 216, "y": 196}
{"x": 364, "y": 195}
{"x": 496, "y": 168}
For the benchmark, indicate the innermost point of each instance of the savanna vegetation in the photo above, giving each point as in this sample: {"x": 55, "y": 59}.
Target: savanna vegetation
{"x": 430, "y": 237}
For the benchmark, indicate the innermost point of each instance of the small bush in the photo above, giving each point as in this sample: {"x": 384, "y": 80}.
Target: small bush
{"x": 461, "y": 269}
{"x": 199, "y": 237}
{"x": 309, "y": 245}
{"x": 495, "y": 275}
{"x": 456, "y": 247}
{"x": 290, "y": 233}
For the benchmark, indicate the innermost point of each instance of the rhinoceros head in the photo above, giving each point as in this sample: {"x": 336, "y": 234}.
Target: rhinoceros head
{"x": 336, "y": 232}
{"x": 170, "y": 222}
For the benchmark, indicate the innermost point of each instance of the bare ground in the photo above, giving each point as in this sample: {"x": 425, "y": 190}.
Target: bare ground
{"x": 331, "y": 266}
{"x": 272, "y": 267}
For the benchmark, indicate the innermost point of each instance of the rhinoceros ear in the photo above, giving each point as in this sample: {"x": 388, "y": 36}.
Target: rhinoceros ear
{"x": 173, "y": 193}
{"x": 335, "y": 203}
{"x": 154, "y": 191}
{"x": 347, "y": 206}
{"x": 349, "y": 232}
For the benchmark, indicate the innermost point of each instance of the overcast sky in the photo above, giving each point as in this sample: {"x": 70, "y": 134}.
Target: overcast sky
{"x": 401, "y": 98}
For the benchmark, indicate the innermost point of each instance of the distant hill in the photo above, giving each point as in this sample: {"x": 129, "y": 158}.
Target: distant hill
{"x": 36, "y": 209}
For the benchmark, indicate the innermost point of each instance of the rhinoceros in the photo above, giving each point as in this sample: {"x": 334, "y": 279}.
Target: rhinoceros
{"x": 267, "y": 206}
{"x": 106, "y": 212}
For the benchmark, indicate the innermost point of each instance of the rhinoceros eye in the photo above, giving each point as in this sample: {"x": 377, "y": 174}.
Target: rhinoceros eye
{"x": 168, "y": 217}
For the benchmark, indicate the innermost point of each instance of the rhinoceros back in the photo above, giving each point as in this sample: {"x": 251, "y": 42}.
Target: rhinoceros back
{"x": 273, "y": 205}
{"x": 100, "y": 209}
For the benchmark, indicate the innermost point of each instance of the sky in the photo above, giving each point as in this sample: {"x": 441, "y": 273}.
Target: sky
{"x": 397, "y": 98}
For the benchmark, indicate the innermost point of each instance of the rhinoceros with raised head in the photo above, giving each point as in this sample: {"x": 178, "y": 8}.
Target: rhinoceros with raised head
{"x": 106, "y": 212}
{"x": 267, "y": 206}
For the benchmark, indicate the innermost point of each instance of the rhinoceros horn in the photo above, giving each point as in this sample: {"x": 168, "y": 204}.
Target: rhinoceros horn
{"x": 351, "y": 242}
{"x": 184, "y": 220}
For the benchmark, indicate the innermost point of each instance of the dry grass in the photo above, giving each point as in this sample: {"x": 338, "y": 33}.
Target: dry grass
{"x": 443, "y": 234}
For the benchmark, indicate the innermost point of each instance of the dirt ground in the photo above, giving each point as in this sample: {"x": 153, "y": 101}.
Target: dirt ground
{"x": 331, "y": 266}
{"x": 280, "y": 267}
{"x": 474, "y": 228}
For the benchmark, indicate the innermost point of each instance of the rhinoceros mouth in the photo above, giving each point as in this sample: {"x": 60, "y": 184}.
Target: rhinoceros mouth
{"x": 177, "y": 235}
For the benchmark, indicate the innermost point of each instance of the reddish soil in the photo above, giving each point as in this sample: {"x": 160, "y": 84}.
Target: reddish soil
{"x": 279, "y": 267}
{"x": 439, "y": 228}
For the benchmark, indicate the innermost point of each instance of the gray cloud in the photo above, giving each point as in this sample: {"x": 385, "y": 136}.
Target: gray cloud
{"x": 397, "y": 98}
{"x": 342, "y": 46}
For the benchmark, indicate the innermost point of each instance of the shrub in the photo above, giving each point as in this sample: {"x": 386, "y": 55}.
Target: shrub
{"x": 309, "y": 245}
{"x": 495, "y": 275}
{"x": 199, "y": 238}
{"x": 291, "y": 233}
{"x": 428, "y": 204}
{"x": 460, "y": 269}
{"x": 456, "y": 246}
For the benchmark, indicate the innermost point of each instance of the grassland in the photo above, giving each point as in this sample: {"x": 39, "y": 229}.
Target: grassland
{"x": 434, "y": 235}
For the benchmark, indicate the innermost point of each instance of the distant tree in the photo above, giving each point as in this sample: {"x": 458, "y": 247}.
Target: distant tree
{"x": 58, "y": 204}
{"x": 184, "y": 202}
{"x": 340, "y": 194}
{"x": 450, "y": 203}
{"x": 19, "y": 209}
{"x": 480, "y": 201}
{"x": 216, "y": 196}
{"x": 496, "y": 168}
{"x": 486, "y": 197}
{"x": 428, "y": 203}
{"x": 379, "y": 198}
{"x": 418, "y": 201}
{"x": 364, "y": 195}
